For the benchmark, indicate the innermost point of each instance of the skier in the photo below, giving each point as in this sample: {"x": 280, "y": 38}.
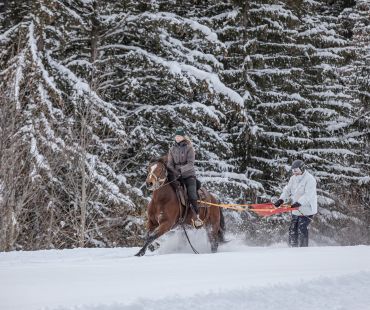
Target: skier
{"x": 301, "y": 190}
{"x": 181, "y": 159}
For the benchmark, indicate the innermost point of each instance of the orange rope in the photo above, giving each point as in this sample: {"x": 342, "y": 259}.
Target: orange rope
{"x": 240, "y": 207}
{"x": 224, "y": 205}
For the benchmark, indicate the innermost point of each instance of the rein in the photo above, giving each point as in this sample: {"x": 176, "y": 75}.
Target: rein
{"x": 159, "y": 187}
{"x": 187, "y": 237}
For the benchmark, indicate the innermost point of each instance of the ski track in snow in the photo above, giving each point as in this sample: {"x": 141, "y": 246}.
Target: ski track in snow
{"x": 237, "y": 277}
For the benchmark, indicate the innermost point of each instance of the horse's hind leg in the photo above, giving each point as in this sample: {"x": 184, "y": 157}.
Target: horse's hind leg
{"x": 212, "y": 232}
{"x": 213, "y": 228}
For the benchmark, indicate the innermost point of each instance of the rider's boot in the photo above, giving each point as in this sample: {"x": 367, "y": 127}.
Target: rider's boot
{"x": 197, "y": 223}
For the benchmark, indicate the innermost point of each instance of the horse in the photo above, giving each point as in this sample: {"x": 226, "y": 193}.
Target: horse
{"x": 164, "y": 209}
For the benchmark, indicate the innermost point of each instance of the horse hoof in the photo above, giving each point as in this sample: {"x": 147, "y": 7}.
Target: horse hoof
{"x": 153, "y": 247}
{"x": 140, "y": 253}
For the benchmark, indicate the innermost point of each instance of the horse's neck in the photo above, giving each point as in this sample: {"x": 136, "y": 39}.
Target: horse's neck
{"x": 164, "y": 193}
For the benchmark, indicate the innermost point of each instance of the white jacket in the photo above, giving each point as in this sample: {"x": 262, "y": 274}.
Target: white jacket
{"x": 302, "y": 189}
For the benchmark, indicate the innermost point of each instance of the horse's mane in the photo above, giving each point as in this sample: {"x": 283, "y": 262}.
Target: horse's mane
{"x": 163, "y": 159}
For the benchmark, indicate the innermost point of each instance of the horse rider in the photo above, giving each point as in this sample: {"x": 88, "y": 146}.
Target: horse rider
{"x": 181, "y": 157}
{"x": 301, "y": 190}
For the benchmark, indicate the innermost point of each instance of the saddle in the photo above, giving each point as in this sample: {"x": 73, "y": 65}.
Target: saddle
{"x": 182, "y": 196}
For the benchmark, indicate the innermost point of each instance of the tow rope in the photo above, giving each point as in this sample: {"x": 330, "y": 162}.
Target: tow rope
{"x": 262, "y": 209}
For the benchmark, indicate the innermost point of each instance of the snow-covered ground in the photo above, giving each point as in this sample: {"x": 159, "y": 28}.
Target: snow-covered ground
{"x": 237, "y": 277}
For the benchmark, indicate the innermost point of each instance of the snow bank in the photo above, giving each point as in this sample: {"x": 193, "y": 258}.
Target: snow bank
{"x": 238, "y": 277}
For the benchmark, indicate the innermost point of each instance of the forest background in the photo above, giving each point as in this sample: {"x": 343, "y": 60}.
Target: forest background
{"x": 91, "y": 90}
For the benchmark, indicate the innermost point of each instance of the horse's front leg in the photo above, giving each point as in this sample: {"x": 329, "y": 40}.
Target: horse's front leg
{"x": 148, "y": 240}
{"x": 151, "y": 225}
{"x": 163, "y": 227}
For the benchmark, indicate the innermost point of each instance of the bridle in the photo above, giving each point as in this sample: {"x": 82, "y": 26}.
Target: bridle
{"x": 159, "y": 182}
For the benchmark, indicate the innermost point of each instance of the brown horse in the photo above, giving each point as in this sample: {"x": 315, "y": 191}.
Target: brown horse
{"x": 164, "y": 210}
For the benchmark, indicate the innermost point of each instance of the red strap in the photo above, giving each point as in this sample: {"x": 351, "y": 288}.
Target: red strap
{"x": 268, "y": 205}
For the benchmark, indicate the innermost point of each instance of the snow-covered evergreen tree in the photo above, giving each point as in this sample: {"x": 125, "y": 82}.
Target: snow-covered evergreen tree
{"x": 356, "y": 26}
{"x": 167, "y": 73}
{"x": 71, "y": 131}
{"x": 292, "y": 61}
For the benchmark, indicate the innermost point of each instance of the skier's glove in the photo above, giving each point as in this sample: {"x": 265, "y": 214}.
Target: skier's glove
{"x": 295, "y": 205}
{"x": 278, "y": 203}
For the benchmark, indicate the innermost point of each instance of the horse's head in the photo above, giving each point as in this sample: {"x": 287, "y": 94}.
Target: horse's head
{"x": 157, "y": 174}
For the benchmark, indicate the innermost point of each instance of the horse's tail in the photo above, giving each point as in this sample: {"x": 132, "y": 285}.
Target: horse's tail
{"x": 222, "y": 230}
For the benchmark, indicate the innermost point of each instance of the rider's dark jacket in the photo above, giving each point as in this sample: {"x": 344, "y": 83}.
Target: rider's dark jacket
{"x": 181, "y": 159}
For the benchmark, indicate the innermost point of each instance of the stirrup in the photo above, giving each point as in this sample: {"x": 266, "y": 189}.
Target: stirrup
{"x": 197, "y": 223}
